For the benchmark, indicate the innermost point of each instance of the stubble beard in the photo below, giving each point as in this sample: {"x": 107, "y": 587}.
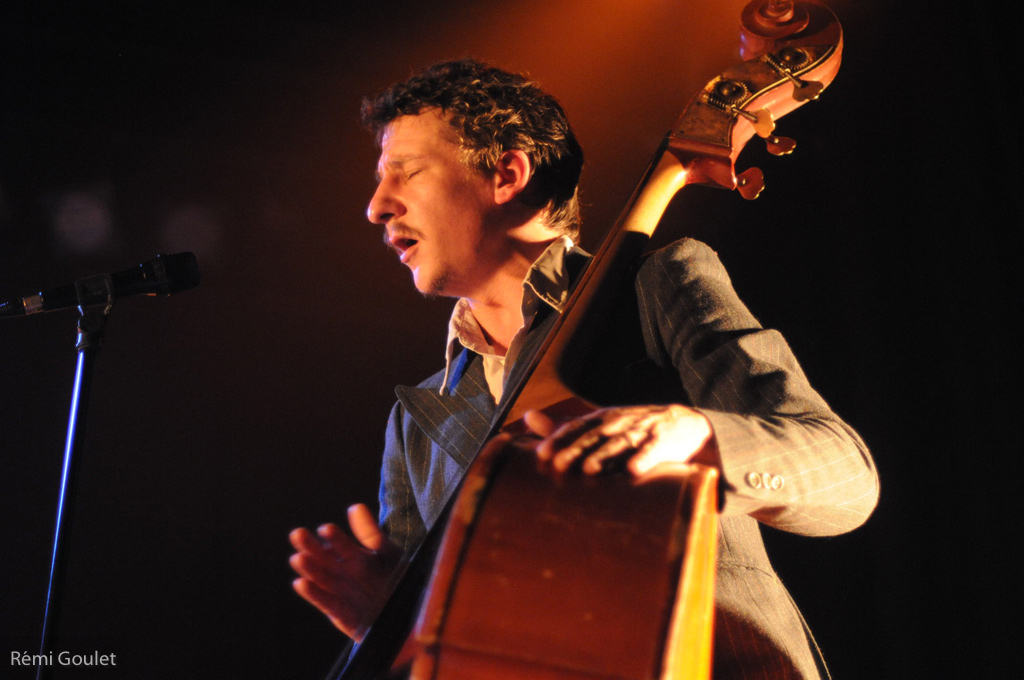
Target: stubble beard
{"x": 438, "y": 284}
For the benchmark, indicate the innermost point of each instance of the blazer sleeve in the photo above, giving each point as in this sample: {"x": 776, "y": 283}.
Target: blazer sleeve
{"x": 787, "y": 459}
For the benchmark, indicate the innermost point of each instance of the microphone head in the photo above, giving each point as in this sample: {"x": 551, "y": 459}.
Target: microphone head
{"x": 180, "y": 272}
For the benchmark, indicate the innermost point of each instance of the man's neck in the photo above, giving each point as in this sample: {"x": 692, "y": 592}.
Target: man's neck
{"x": 498, "y": 306}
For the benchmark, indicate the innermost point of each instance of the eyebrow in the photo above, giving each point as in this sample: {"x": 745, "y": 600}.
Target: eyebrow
{"x": 398, "y": 162}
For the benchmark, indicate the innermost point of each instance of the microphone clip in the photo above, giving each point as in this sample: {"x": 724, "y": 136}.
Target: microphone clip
{"x": 93, "y": 291}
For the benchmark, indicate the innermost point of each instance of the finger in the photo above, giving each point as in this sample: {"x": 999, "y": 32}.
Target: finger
{"x": 642, "y": 463}
{"x": 656, "y": 459}
{"x": 571, "y": 453}
{"x": 364, "y": 527}
{"x": 645, "y": 468}
{"x": 605, "y": 423}
{"x": 338, "y": 543}
{"x": 330, "y": 605}
{"x": 539, "y": 423}
{"x": 618, "y": 446}
{"x": 305, "y": 541}
{"x": 570, "y": 438}
{"x": 635, "y": 422}
{"x": 301, "y": 538}
{"x": 326, "y": 573}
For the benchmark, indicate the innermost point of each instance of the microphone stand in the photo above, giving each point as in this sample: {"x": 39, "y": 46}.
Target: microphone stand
{"x": 91, "y": 325}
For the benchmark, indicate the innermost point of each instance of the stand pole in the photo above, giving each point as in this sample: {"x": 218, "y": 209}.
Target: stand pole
{"x": 91, "y": 325}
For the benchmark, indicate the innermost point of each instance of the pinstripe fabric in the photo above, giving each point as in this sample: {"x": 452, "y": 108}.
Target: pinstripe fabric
{"x": 788, "y": 461}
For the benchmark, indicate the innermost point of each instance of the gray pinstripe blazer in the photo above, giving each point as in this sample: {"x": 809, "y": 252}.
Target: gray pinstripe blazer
{"x": 788, "y": 461}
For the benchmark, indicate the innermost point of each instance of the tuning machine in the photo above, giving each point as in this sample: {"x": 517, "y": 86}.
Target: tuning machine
{"x": 788, "y": 60}
{"x": 727, "y": 93}
{"x": 764, "y": 125}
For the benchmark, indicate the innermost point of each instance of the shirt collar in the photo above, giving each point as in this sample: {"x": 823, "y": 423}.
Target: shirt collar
{"x": 547, "y": 281}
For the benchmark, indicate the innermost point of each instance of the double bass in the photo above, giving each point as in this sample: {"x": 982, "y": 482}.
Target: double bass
{"x": 529, "y": 575}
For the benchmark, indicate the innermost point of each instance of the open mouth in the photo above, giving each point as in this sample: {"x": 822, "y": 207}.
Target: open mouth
{"x": 405, "y": 249}
{"x": 401, "y": 245}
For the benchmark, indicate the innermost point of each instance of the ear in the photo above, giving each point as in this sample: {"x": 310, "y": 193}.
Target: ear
{"x": 511, "y": 175}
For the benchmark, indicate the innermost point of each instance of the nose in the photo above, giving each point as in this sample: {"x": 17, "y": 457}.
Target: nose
{"x": 384, "y": 205}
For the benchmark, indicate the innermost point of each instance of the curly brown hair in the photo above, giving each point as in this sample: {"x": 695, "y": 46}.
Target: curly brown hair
{"x": 492, "y": 111}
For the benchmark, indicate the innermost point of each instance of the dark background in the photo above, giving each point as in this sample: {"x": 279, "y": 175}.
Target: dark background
{"x": 885, "y": 249}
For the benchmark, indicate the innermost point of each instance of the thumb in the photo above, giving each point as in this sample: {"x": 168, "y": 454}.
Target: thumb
{"x": 364, "y": 527}
{"x": 539, "y": 423}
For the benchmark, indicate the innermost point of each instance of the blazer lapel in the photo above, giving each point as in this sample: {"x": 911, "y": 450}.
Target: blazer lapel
{"x": 458, "y": 421}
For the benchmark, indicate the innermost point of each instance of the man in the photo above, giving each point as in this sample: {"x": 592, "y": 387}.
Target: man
{"x": 477, "y": 195}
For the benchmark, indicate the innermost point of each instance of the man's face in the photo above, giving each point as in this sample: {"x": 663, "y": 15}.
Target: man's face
{"x": 438, "y": 213}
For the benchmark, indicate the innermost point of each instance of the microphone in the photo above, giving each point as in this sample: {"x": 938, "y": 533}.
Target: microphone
{"x": 163, "y": 275}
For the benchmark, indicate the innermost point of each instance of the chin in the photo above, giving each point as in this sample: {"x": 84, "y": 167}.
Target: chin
{"x": 429, "y": 286}
{"x": 434, "y": 286}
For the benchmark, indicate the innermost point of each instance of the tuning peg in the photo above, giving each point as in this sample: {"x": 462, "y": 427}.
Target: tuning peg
{"x": 761, "y": 120}
{"x": 749, "y": 183}
{"x": 805, "y": 91}
{"x": 764, "y": 122}
{"x": 780, "y": 146}
{"x": 788, "y": 60}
